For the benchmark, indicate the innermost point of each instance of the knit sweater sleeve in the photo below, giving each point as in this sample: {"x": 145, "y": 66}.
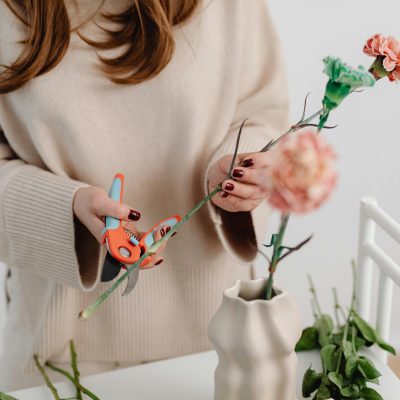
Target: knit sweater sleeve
{"x": 38, "y": 233}
{"x": 263, "y": 100}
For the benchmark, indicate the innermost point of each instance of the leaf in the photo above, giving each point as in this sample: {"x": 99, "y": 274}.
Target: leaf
{"x": 371, "y": 335}
{"x": 367, "y": 368}
{"x": 308, "y": 340}
{"x": 347, "y": 349}
{"x": 366, "y": 330}
{"x": 350, "y": 391}
{"x": 323, "y": 393}
{"x": 4, "y": 396}
{"x": 324, "y": 325}
{"x": 336, "y": 378}
{"x": 311, "y": 382}
{"x": 329, "y": 357}
{"x": 359, "y": 343}
{"x": 370, "y": 394}
{"x": 384, "y": 345}
{"x": 351, "y": 366}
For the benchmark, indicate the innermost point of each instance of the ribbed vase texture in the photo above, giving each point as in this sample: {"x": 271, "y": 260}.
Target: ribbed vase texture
{"x": 255, "y": 341}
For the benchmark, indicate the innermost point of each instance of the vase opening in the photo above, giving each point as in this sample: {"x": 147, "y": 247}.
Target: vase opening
{"x": 255, "y": 290}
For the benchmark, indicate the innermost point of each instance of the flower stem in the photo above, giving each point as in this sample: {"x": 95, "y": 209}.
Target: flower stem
{"x": 314, "y": 294}
{"x": 74, "y": 367}
{"x": 276, "y": 254}
{"x": 46, "y": 378}
{"x": 87, "y": 312}
{"x": 73, "y": 380}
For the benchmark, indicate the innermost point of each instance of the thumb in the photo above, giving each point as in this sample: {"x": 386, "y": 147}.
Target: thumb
{"x": 107, "y": 207}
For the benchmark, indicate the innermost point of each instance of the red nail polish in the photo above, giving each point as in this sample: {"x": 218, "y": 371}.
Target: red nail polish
{"x": 159, "y": 262}
{"x": 224, "y": 195}
{"x": 229, "y": 186}
{"x": 162, "y": 232}
{"x": 238, "y": 173}
{"x": 134, "y": 215}
{"x": 248, "y": 163}
{"x": 168, "y": 229}
{"x": 174, "y": 234}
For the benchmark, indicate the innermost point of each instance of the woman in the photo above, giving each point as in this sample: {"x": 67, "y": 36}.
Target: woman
{"x": 157, "y": 90}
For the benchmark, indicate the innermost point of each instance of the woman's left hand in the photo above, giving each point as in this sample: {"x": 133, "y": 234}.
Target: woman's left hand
{"x": 247, "y": 190}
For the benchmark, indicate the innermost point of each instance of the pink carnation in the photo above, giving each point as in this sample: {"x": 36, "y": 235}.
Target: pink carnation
{"x": 389, "y": 49}
{"x": 301, "y": 175}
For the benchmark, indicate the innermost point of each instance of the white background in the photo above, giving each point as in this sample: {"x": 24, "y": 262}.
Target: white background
{"x": 367, "y": 141}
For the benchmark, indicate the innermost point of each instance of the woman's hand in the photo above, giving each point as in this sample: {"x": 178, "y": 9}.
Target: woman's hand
{"x": 91, "y": 204}
{"x": 246, "y": 191}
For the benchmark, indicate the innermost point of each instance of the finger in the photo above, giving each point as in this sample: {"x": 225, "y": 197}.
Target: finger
{"x": 254, "y": 160}
{"x": 131, "y": 227}
{"x": 233, "y": 203}
{"x": 255, "y": 176}
{"x": 95, "y": 226}
{"x": 104, "y": 206}
{"x": 219, "y": 171}
{"x": 244, "y": 190}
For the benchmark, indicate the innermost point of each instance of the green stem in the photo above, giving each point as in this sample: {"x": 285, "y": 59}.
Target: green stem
{"x": 314, "y": 294}
{"x": 74, "y": 367}
{"x": 87, "y": 312}
{"x": 295, "y": 128}
{"x": 46, "y": 378}
{"x": 276, "y": 254}
{"x": 73, "y": 380}
{"x": 337, "y": 307}
{"x": 344, "y": 338}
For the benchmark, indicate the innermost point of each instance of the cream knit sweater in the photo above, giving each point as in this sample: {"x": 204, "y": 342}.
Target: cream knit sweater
{"x": 73, "y": 127}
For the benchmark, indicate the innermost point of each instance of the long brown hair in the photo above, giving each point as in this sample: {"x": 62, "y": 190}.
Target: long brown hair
{"x": 145, "y": 27}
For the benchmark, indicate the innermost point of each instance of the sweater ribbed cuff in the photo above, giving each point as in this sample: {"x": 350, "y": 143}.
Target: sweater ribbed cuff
{"x": 39, "y": 224}
{"x": 252, "y": 141}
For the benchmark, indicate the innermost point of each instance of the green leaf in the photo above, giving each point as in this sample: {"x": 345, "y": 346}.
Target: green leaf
{"x": 384, "y": 345}
{"x": 323, "y": 393}
{"x": 370, "y": 334}
{"x": 336, "y": 378}
{"x": 308, "y": 340}
{"x": 324, "y": 325}
{"x": 359, "y": 343}
{"x": 4, "y": 396}
{"x": 329, "y": 357}
{"x": 350, "y": 391}
{"x": 351, "y": 366}
{"x": 366, "y": 330}
{"x": 367, "y": 368}
{"x": 311, "y": 382}
{"x": 370, "y": 394}
{"x": 347, "y": 349}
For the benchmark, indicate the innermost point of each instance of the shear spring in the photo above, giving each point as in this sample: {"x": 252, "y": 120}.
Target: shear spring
{"x": 130, "y": 233}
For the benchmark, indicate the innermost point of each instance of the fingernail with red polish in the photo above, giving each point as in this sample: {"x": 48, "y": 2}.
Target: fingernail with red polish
{"x": 162, "y": 232}
{"x": 224, "y": 195}
{"x": 134, "y": 215}
{"x": 248, "y": 163}
{"x": 238, "y": 173}
{"x": 229, "y": 186}
{"x": 159, "y": 262}
{"x": 168, "y": 229}
{"x": 174, "y": 234}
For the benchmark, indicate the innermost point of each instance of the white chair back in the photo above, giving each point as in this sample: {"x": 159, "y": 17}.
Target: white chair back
{"x": 369, "y": 253}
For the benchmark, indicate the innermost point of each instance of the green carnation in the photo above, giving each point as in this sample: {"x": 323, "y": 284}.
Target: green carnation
{"x": 343, "y": 80}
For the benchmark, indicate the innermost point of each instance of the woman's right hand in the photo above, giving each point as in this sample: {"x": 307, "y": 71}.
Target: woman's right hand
{"x": 92, "y": 204}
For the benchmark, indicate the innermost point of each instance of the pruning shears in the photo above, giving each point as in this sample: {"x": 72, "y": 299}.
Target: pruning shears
{"x": 124, "y": 248}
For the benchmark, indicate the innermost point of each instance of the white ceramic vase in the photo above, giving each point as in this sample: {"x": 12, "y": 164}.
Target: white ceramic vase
{"x": 255, "y": 341}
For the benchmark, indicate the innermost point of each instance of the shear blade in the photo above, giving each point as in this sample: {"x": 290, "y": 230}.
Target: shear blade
{"x": 111, "y": 268}
{"x": 132, "y": 281}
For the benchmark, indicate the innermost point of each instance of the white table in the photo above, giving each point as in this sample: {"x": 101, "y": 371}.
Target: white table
{"x": 186, "y": 378}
